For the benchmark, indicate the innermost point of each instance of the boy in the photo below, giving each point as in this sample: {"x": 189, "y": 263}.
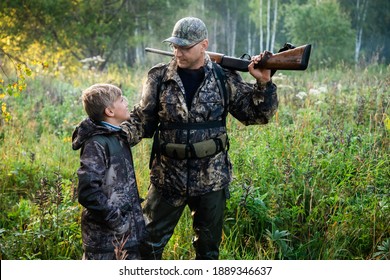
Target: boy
{"x": 112, "y": 224}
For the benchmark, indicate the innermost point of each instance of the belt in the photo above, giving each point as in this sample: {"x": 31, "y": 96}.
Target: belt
{"x": 196, "y": 150}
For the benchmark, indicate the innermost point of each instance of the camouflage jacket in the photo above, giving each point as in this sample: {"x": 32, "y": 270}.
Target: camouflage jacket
{"x": 107, "y": 189}
{"x": 163, "y": 100}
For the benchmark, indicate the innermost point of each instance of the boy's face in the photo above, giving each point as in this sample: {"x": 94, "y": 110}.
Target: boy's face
{"x": 120, "y": 110}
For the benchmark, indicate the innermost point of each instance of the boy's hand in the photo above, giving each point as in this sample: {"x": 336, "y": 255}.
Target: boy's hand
{"x": 117, "y": 221}
{"x": 123, "y": 228}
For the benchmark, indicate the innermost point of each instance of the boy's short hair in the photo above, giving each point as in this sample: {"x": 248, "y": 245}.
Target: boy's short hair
{"x": 97, "y": 98}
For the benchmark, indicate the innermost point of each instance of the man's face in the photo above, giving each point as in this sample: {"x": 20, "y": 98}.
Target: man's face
{"x": 190, "y": 57}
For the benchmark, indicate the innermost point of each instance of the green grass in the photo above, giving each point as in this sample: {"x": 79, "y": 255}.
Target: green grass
{"x": 312, "y": 184}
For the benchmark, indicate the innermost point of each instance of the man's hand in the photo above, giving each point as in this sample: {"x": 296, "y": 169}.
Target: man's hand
{"x": 262, "y": 76}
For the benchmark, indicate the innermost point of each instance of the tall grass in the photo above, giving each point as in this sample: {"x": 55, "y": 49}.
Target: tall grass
{"x": 312, "y": 184}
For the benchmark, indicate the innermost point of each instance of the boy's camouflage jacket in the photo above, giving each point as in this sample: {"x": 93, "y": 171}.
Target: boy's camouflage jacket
{"x": 163, "y": 100}
{"x": 107, "y": 189}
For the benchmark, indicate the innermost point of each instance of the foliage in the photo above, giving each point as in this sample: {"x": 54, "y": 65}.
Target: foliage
{"x": 383, "y": 250}
{"x": 312, "y": 184}
{"x": 321, "y": 171}
{"x": 39, "y": 216}
{"x": 330, "y": 35}
{"x": 77, "y": 30}
{"x": 97, "y": 33}
{"x": 12, "y": 87}
{"x": 376, "y": 35}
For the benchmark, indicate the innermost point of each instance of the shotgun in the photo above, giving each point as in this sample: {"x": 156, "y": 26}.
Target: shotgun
{"x": 288, "y": 58}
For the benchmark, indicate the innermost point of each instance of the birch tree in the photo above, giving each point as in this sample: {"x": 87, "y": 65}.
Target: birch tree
{"x": 361, "y": 12}
{"x": 268, "y": 23}
{"x": 275, "y": 21}
{"x": 269, "y": 17}
{"x": 261, "y": 24}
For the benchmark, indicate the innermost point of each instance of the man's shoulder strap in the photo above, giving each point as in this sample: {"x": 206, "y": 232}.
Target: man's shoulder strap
{"x": 221, "y": 79}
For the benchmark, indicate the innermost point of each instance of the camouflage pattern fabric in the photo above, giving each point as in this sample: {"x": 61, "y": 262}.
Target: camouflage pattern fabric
{"x": 179, "y": 179}
{"x": 125, "y": 255}
{"x": 112, "y": 216}
{"x": 188, "y": 31}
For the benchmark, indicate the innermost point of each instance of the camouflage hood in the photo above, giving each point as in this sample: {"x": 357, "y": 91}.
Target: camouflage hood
{"x": 85, "y": 130}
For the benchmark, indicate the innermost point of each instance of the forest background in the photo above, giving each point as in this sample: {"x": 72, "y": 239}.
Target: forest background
{"x": 312, "y": 184}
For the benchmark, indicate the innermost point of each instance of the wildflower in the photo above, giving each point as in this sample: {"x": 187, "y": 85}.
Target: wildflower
{"x": 67, "y": 139}
{"x": 4, "y": 113}
{"x": 27, "y": 71}
{"x": 3, "y": 108}
{"x": 301, "y": 95}
{"x": 387, "y": 122}
{"x": 323, "y": 89}
{"x": 314, "y": 91}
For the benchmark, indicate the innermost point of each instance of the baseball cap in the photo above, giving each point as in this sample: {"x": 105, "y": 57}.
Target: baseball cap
{"x": 188, "y": 31}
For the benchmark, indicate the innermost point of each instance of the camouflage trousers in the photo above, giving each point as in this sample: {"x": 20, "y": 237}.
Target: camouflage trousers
{"x": 161, "y": 219}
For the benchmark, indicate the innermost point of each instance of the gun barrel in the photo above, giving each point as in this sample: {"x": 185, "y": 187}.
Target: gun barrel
{"x": 159, "y": 51}
{"x": 167, "y": 53}
{"x": 292, "y": 59}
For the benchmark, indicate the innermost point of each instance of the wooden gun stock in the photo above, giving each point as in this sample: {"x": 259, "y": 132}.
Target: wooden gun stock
{"x": 292, "y": 59}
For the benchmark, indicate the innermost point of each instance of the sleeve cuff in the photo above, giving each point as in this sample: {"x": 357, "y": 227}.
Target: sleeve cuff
{"x": 262, "y": 87}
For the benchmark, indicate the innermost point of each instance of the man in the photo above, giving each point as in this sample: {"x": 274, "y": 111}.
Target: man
{"x": 184, "y": 105}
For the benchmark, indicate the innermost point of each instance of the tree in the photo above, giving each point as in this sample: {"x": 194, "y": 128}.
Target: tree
{"x": 322, "y": 24}
{"x": 361, "y": 12}
{"x": 83, "y": 29}
{"x": 370, "y": 20}
{"x": 265, "y": 19}
{"x": 223, "y": 27}
{"x": 275, "y": 17}
{"x": 64, "y": 32}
